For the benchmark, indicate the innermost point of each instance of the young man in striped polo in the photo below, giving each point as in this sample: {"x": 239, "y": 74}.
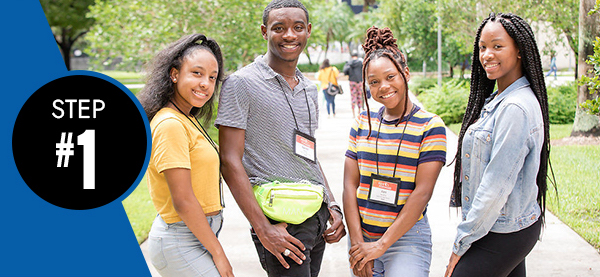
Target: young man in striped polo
{"x": 264, "y": 109}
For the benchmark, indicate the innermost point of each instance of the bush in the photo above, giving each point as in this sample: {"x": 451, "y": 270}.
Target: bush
{"x": 308, "y": 67}
{"x": 419, "y": 84}
{"x": 562, "y": 103}
{"x": 449, "y": 101}
{"x": 314, "y": 67}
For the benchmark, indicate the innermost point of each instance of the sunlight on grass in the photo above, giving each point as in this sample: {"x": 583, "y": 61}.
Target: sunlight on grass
{"x": 577, "y": 178}
{"x": 122, "y": 74}
{"x": 140, "y": 211}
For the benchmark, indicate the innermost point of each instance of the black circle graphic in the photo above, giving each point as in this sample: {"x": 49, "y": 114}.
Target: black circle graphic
{"x": 79, "y": 142}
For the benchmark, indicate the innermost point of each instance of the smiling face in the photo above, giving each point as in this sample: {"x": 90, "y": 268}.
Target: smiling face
{"x": 287, "y": 32}
{"x": 195, "y": 80}
{"x": 387, "y": 85}
{"x": 499, "y": 55}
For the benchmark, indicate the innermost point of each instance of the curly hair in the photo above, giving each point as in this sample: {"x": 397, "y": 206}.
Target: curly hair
{"x": 159, "y": 88}
{"x": 482, "y": 88}
{"x": 278, "y": 4}
{"x": 381, "y": 43}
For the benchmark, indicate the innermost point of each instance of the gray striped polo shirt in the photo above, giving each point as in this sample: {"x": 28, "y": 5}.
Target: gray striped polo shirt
{"x": 253, "y": 99}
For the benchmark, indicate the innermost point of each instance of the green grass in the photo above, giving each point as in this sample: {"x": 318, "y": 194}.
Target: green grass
{"x": 558, "y": 131}
{"x": 455, "y": 127}
{"x": 140, "y": 211}
{"x": 119, "y": 75}
{"x": 135, "y": 90}
{"x": 578, "y": 206}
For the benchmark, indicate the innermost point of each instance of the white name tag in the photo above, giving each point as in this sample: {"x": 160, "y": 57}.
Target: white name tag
{"x": 384, "y": 190}
{"x": 305, "y": 146}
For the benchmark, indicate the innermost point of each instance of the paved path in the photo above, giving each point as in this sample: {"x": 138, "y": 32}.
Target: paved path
{"x": 561, "y": 252}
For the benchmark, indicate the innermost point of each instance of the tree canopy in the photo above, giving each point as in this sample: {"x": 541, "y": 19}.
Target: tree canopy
{"x": 68, "y": 23}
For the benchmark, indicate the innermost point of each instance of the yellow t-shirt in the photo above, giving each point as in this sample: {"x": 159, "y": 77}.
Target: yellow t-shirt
{"x": 177, "y": 143}
{"x": 328, "y": 75}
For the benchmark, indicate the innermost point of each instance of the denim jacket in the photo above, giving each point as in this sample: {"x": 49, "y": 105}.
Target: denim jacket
{"x": 500, "y": 163}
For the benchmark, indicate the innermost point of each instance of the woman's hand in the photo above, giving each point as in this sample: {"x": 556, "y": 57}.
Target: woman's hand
{"x": 451, "y": 264}
{"x": 223, "y": 266}
{"x": 367, "y": 270}
{"x": 363, "y": 252}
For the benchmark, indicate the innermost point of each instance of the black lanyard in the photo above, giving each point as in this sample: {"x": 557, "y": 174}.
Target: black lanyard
{"x": 214, "y": 145}
{"x": 203, "y": 131}
{"x": 399, "y": 144}
{"x": 290, "y": 105}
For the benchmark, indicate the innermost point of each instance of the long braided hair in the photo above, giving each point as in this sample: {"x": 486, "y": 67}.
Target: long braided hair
{"x": 159, "y": 88}
{"x": 381, "y": 43}
{"x": 482, "y": 88}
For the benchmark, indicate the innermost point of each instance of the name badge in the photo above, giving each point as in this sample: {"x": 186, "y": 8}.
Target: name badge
{"x": 305, "y": 146}
{"x": 384, "y": 190}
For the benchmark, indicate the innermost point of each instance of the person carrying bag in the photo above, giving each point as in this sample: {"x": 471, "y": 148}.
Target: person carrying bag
{"x": 328, "y": 76}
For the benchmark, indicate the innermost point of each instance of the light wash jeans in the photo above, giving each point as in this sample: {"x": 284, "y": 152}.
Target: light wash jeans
{"x": 409, "y": 256}
{"x": 175, "y": 250}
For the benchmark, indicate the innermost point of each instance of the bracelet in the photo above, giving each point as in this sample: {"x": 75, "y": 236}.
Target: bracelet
{"x": 334, "y": 207}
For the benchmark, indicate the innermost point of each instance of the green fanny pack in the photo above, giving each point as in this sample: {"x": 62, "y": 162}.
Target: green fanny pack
{"x": 289, "y": 202}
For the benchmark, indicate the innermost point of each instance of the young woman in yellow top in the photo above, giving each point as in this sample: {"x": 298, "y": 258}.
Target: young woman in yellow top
{"x": 328, "y": 74}
{"x": 183, "y": 174}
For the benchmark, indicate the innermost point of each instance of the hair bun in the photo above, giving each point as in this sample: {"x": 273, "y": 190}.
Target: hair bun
{"x": 379, "y": 39}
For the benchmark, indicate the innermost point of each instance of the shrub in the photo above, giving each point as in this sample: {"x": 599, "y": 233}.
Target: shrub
{"x": 448, "y": 101}
{"x": 419, "y": 84}
{"x": 562, "y": 103}
{"x": 314, "y": 67}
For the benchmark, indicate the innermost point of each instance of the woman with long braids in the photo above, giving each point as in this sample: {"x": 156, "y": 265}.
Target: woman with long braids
{"x": 392, "y": 163}
{"x": 183, "y": 174}
{"x": 503, "y": 148}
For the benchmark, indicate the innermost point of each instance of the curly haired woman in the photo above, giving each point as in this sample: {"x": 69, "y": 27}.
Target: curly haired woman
{"x": 183, "y": 174}
{"x": 392, "y": 163}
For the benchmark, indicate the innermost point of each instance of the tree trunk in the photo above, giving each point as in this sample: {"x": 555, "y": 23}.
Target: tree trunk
{"x": 586, "y": 124}
{"x": 575, "y": 51}
{"x": 366, "y": 5}
{"x": 327, "y": 44}
{"x": 65, "y": 47}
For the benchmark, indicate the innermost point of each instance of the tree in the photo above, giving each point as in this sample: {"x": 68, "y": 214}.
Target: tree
{"x": 366, "y": 5}
{"x": 334, "y": 20}
{"x": 134, "y": 31}
{"x": 562, "y": 14}
{"x": 589, "y": 29}
{"x": 68, "y": 21}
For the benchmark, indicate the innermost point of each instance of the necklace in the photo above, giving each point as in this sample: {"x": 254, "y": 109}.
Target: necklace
{"x": 289, "y": 76}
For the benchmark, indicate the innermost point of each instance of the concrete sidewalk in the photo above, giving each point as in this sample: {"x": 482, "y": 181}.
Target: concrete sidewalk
{"x": 561, "y": 252}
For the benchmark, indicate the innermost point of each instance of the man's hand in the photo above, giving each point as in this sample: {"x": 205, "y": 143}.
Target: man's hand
{"x": 276, "y": 240}
{"x": 337, "y": 230}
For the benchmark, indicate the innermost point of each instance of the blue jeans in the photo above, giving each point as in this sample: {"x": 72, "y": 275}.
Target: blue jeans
{"x": 409, "y": 256}
{"x": 330, "y": 99}
{"x": 175, "y": 250}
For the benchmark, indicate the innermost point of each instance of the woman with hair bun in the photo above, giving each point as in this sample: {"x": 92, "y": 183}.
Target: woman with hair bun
{"x": 503, "y": 149}
{"x": 183, "y": 173}
{"x": 392, "y": 163}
